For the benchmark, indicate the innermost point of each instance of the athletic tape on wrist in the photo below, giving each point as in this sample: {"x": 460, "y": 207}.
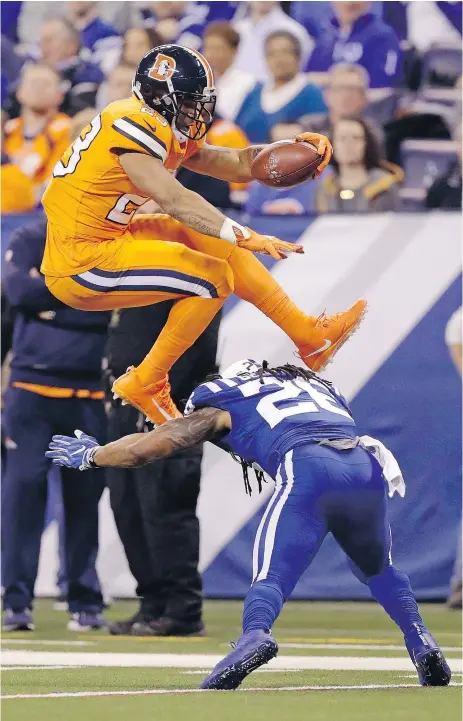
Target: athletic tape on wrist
{"x": 233, "y": 231}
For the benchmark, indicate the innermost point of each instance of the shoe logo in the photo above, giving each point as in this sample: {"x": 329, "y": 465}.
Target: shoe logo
{"x": 10, "y": 444}
{"x": 161, "y": 410}
{"x": 326, "y": 345}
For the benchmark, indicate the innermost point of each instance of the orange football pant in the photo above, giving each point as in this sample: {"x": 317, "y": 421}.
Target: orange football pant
{"x": 200, "y": 263}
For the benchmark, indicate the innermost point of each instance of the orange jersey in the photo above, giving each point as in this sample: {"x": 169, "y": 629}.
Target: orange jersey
{"x": 36, "y": 156}
{"x": 90, "y": 199}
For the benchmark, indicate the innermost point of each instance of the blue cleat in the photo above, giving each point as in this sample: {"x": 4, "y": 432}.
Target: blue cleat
{"x": 427, "y": 657}
{"x": 18, "y": 620}
{"x": 86, "y": 621}
{"x": 252, "y": 650}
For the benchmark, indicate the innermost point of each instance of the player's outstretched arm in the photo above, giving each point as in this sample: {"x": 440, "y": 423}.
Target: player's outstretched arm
{"x": 152, "y": 179}
{"x": 138, "y": 449}
{"x": 230, "y": 164}
{"x": 234, "y": 165}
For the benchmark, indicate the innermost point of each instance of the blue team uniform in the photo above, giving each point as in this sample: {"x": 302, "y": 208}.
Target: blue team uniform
{"x": 301, "y": 432}
{"x": 278, "y": 424}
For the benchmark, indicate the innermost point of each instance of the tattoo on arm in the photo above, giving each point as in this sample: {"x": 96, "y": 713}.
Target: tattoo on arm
{"x": 173, "y": 437}
{"x": 187, "y": 432}
{"x": 230, "y": 164}
{"x": 251, "y": 152}
{"x": 202, "y": 225}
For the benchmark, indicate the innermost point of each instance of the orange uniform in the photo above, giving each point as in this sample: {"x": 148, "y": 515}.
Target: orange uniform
{"x": 98, "y": 257}
{"x": 90, "y": 201}
{"x": 33, "y": 157}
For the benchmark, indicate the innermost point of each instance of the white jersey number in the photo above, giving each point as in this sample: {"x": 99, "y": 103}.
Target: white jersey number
{"x": 78, "y": 147}
{"x": 267, "y": 407}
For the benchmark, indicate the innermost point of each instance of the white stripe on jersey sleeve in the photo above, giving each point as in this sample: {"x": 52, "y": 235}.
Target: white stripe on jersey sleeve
{"x": 141, "y": 136}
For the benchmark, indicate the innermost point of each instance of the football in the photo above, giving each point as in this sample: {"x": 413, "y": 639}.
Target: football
{"x": 286, "y": 163}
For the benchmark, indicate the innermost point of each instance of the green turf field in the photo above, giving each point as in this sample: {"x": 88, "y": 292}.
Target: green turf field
{"x": 337, "y": 661}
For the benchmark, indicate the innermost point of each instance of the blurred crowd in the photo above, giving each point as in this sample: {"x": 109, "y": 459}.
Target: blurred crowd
{"x": 382, "y": 79}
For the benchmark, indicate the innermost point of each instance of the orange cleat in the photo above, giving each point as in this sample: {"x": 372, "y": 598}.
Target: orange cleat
{"x": 153, "y": 400}
{"x": 329, "y": 334}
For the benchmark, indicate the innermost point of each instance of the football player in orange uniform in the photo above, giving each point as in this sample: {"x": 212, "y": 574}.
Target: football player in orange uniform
{"x": 98, "y": 257}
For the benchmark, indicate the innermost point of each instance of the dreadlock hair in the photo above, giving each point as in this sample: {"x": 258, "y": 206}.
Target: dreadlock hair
{"x": 285, "y": 372}
{"x": 289, "y": 372}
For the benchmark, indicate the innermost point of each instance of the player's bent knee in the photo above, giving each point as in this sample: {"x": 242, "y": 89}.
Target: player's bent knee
{"x": 222, "y": 277}
{"x": 370, "y": 566}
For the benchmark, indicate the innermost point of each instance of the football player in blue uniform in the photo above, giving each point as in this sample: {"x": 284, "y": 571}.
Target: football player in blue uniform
{"x": 298, "y": 428}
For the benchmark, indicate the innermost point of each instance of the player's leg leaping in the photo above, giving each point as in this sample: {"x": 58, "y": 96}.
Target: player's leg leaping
{"x": 317, "y": 339}
{"x": 144, "y": 273}
{"x": 192, "y": 268}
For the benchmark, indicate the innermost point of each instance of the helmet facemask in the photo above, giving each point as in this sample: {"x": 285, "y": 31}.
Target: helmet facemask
{"x": 191, "y": 113}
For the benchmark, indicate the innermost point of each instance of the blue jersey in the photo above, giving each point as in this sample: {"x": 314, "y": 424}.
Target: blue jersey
{"x": 271, "y": 416}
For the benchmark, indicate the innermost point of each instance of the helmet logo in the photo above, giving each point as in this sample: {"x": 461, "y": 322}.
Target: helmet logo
{"x": 163, "y": 68}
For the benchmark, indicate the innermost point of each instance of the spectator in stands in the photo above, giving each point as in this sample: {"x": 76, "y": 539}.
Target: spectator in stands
{"x": 9, "y": 20}
{"x": 345, "y": 95}
{"x": 361, "y": 180}
{"x": 286, "y": 97}
{"x": 263, "y": 19}
{"x": 35, "y": 141}
{"x": 221, "y": 43}
{"x": 55, "y": 383}
{"x": 359, "y": 36}
{"x": 166, "y": 17}
{"x": 119, "y": 15}
{"x": 98, "y": 38}
{"x": 185, "y": 22}
{"x": 60, "y": 46}
{"x": 17, "y": 190}
{"x": 137, "y": 42}
{"x": 117, "y": 86}
{"x": 445, "y": 192}
{"x": 155, "y": 506}
{"x": 11, "y": 64}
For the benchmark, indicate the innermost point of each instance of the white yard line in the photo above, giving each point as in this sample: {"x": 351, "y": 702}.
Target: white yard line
{"x": 357, "y": 646}
{"x": 35, "y": 668}
{"x": 166, "y": 691}
{"x": 36, "y": 642}
{"x": 200, "y": 661}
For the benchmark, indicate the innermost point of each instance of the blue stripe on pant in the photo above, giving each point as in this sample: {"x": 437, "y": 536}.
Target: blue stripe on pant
{"x": 320, "y": 490}
{"x": 30, "y": 420}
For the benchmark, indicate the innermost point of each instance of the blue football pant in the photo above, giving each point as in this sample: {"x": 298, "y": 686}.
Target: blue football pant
{"x": 320, "y": 490}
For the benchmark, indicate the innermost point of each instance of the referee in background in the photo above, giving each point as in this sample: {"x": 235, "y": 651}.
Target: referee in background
{"x": 155, "y": 506}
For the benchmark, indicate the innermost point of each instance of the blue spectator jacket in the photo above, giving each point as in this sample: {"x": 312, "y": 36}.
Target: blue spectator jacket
{"x": 53, "y": 345}
{"x": 372, "y": 44}
{"x": 257, "y": 124}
